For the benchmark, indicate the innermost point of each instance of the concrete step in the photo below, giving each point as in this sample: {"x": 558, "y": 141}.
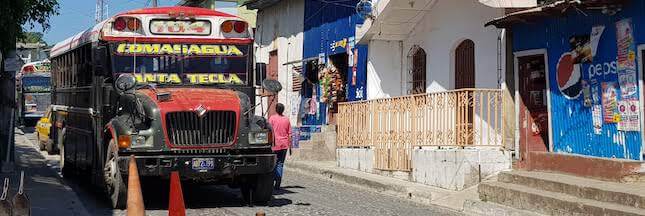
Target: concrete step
{"x": 548, "y": 202}
{"x": 480, "y": 208}
{"x": 628, "y": 194}
{"x": 329, "y": 135}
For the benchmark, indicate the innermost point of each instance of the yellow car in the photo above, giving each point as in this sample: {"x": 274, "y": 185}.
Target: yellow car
{"x": 42, "y": 132}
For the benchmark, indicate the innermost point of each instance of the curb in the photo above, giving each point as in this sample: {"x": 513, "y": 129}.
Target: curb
{"x": 469, "y": 207}
{"x": 77, "y": 204}
{"x": 396, "y": 190}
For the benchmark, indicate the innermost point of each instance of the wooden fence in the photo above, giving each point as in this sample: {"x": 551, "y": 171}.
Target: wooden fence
{"x": 394, "y": 126}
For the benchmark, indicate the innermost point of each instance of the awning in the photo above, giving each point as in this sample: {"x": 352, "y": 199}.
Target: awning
{"x": 301, "y": 61}
{"x": 556, "y": 8}
{"x": 259, "y": 4}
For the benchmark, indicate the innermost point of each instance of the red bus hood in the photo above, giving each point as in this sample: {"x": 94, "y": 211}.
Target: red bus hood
{"x": 189, "y": 99}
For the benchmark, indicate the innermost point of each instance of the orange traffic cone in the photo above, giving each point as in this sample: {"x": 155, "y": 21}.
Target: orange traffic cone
{"x": 176, "y": 203}
{"x": 135, "y": 198}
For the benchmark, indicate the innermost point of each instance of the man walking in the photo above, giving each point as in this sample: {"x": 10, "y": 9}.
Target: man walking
{"x": 282, "y": 140}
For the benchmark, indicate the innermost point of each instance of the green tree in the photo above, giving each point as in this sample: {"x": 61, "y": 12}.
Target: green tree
{"x": 16, "y": 13}
{"x": 31, "y": 37}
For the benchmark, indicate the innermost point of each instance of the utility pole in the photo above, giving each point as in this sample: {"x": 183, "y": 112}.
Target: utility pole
{"x": 100, "y": 7}
{"x": 154, "y": 3}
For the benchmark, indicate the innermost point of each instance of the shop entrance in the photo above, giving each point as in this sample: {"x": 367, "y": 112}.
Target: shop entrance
{"x": 533, "y": 110}
{"x": 333, "y": 82}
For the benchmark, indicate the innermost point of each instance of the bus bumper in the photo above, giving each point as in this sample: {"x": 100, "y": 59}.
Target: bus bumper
{"x": 223, "y": 166}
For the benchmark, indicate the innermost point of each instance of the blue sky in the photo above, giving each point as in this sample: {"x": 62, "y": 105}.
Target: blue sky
{"x": 78, "y": 15}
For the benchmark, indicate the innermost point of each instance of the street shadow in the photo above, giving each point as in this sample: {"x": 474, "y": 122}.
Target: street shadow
{"x": 285, "y": 190}
{"x": 155, "y": 191}
{"x": 200, "y": 196}
{"x": 26, "y": 129}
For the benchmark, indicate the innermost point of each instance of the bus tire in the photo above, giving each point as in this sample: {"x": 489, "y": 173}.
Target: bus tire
{"x": 257, "y": 189}
{"x": 51, "y": 149}
{"x": 115, "y": 187}
{"x": 65, "y": 170}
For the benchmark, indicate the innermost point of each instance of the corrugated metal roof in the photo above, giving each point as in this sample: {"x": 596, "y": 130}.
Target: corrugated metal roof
{"x": 553, "y": 8}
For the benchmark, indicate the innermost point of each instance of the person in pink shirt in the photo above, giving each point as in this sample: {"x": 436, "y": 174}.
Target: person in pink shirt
{"x": 282, "y": 141}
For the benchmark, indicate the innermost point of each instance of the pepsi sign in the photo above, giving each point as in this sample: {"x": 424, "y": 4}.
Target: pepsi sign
{"x": 568, "y": 76}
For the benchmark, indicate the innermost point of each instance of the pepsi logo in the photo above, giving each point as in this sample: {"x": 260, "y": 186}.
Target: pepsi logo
{"x": 569, "y": 76}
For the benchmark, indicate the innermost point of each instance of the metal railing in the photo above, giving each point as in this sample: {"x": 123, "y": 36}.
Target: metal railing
{"x": 394, "y": 126}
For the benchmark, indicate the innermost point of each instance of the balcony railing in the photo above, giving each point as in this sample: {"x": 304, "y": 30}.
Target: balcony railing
{"x": 394, "y": 126}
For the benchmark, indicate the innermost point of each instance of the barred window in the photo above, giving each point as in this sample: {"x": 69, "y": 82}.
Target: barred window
{"x": 417, "y": 70}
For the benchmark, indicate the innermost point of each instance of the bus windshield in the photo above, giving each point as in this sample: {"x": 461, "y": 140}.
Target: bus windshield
{"x": 202, "y": 64}
{"x": 35, "y": 84}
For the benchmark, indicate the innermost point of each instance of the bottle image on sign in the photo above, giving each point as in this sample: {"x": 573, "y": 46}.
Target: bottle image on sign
{"x": 569, "y": 76}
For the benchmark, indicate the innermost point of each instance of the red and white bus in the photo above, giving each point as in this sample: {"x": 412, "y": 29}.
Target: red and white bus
{"x": 172, "y": 86}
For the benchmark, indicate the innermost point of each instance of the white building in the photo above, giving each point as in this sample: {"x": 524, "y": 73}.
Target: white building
{"x": 437, "y": 28}
{"x": 439, "y": 111}
{"x": 279, "y": 43}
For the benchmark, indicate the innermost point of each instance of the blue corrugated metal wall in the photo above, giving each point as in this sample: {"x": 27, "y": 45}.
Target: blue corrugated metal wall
{"x": 572, "y": 127}
{"x": 326, "y": 23}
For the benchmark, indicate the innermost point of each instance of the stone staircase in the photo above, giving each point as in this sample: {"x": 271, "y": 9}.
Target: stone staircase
{"x": 560, "y": 194}
{"x": 321, "y": 147}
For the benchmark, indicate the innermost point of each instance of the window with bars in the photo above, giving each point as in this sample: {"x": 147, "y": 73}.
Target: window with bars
{"x": 417, "y": 70}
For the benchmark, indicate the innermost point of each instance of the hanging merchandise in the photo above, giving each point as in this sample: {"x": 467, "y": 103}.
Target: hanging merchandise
{"x": 354, "y": 76}
{"x": 355, "y": 66}
{"x": 313, "y": 103}
{"x": 331, "y": 86}
{"x": 325, "y": 84}
{"x": 304, "y": 107}
{"x": 350, "y": 58}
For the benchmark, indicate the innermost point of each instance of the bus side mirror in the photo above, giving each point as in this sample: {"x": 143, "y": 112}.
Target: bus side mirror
{"x": 101, "y": 58}
{"x": 260, "y": 73}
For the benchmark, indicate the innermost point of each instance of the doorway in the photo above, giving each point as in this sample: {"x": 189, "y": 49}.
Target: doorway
{"x": 465, "y": 65}
{"x": 533, "y": 104}
{"x": 272, "y": 74}
{"x": 464, "y": 79}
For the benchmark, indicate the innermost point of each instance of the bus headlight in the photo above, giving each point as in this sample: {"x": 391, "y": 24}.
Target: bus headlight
{"x": 125, "y": 82}
{"x": 258, "y": 137}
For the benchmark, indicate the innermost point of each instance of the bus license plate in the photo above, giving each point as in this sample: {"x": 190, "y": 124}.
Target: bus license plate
{"x": 203, "y": 164}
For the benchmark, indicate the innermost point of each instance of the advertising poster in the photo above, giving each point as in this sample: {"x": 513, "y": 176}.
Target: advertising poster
{"x": 630, "y": 120}
{"x": 581, "y": 51}
{"x": 586, "y": 93}
{"x": 596, "y": 112}
{"x": 626, "y": 60}
{"x": 610, "y": 102}
{"x": 295, "y": 137}
{"x": 596, "y": 32}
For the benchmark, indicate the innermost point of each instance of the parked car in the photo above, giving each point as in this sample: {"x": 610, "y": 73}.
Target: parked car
{"x": 42, "y": 133}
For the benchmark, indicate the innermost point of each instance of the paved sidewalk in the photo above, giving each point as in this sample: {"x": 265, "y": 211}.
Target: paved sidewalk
{"x": 465, "y": 201}
{"x": 46, "y": 191}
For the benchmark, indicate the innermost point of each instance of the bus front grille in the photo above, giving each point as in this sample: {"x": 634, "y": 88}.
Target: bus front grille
{"x": 189, "y": 129}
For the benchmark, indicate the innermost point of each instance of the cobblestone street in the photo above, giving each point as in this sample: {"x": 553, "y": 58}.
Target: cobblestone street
{"x": 301, "y": 195}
